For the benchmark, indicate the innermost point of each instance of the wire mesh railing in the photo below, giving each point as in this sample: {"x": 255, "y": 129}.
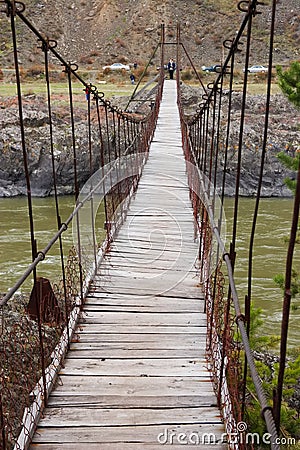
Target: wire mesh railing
{"x": 37, "y": 325}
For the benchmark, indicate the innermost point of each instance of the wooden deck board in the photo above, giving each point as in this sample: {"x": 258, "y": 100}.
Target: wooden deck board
{"x": 134, "y": 385}
{"x": 130, "y": 434}
{"x": 117, "y": 446}
{"x": 180, "y": 305}
{"x": 136, "y": 368}
{"x": 141, "y": 318}
{"x": 167, "y": 341}
{"x": 107, "y": 352}
{"x": 137, "y": 401}
{"x": 60, "y": 417}
{"x": 94, "y": 328}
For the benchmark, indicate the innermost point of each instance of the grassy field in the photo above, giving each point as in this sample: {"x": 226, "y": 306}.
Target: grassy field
{"x": 121, "y": 89}
{"x": 59, "y": 88}
{"x": 257, "y": 88}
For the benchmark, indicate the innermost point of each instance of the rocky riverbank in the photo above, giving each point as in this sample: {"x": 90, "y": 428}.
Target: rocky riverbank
{"x": 37, "y": 137}
{"x": 283, "y": 135}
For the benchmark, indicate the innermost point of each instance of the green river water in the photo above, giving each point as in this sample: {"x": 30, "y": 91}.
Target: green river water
{"x": 269, "y": 254}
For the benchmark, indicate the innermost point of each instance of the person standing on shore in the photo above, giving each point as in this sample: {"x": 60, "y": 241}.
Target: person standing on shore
{"x": 132, "y": 78}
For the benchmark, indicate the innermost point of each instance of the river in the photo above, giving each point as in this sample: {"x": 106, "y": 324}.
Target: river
{"x": 15, "y": 248}
{"x": 269, "y": 254}
{"x": 269, "y": 257}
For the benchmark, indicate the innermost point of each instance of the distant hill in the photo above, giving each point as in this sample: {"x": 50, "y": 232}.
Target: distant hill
{"x": 98, "y": 32}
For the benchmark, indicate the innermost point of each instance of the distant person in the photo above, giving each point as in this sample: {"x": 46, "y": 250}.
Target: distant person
{"x": 135, "y": 65}
{"x": 87, "y": 92}
{"x": 171, "y": 68}
{"x": 132, "y": 78}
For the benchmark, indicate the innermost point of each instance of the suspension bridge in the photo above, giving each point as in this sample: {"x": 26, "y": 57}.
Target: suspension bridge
{"x": 140, "y": 360}
{"x": 142, "y": 341}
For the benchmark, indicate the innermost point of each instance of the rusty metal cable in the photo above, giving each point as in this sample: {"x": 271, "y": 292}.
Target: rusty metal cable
{"x": 89, "y": 90}
{"x": 69, "y": 71}
{"x": 102, "y": 162}
{"x": 45, "y": 49}
{"x": 287, "y": 302}
{"x": 241, "y": 131}
{"x": 237, "y": 181}
{"x": 12, "y": 11}
{"x": 248, "y": 297}
{"x": 228, "y": 124}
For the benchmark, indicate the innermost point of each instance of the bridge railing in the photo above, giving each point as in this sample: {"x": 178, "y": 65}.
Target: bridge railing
{"x": 39, "y": 314}
{"x": 209, "y": 140}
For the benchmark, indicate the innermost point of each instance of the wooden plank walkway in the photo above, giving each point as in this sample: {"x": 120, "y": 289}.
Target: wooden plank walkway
{"x": 137, "y": 377}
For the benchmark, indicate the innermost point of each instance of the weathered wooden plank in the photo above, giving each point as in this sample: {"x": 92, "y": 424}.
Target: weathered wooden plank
{"x": 160, "y": 227}
{"x": 135, "y": 367}
{"x": 131, "y": 262}
{"x": 158, "y": 259}
{"x": 154, "y": 243}
{"x": 118, "y": 446}
{"x": 154, "y": 286}
{"x": 162, "y": 236}
{"x": 120, "y": 299}
{"x": 145, "y": 215}
{"x": 156, "y": 305}
{"x": 161, "y": 184}
{"x": 148, "y": 187}
{"x": 151, "y": 304}
{"x": 142, "y": 299}
{"x": 132, "y": 434}
{"x": 107, "y": 352}
{"x": 149, "y": 212}
{"x": 143, "y": 256}
{"x": 181, "y": 229}
{"x": 132, "y": 386}
{"x": 111, "y": 272}
{"x": 156, "y": 290}
{"x": 133, "y": 256}
{"x": 159, "y": 284}
{"x": 186, "y": 284}
{"x": 99, "y": 417}
{"x": 139, "y": 329}
{"x": 142, "y": 264}
{"x": 206, "y": 400}
{"x": 147, "y": 248}
{"x": 151, "y": 231}
{"x": 151, "y": 319}
{"x": 135, "y": 267}
{"x": 147, "y": 340}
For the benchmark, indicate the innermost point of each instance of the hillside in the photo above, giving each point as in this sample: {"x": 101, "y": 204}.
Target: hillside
{"x": 98, "y": 32}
